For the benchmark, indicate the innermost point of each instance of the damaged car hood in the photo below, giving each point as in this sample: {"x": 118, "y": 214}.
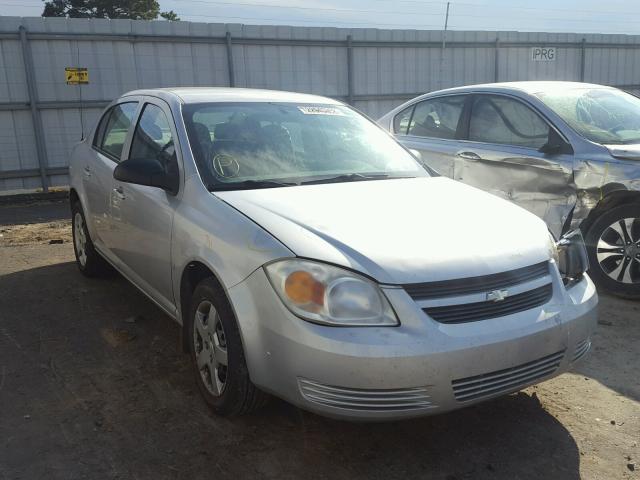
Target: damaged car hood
{"x": 399, "y": 230}
{"x": 627, "y": 152}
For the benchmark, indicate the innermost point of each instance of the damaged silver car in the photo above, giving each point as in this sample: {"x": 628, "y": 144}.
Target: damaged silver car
{"x": 568, "y": 152}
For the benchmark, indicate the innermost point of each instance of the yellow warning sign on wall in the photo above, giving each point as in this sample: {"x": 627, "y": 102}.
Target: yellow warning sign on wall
{"x": 76, "y": 75}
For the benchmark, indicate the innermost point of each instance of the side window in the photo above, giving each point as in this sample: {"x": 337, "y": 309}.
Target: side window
{"x": 437, "y": 117}
{"x": 97, "y": 140}
{"x": 401, "y": 120}
{"x": 152, "y": 137}
{"x": 506, "y": 121}
{"x": 116, "y": 128}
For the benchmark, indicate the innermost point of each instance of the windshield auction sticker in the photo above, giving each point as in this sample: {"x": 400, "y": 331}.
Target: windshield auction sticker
{"x": 320, "y": 111}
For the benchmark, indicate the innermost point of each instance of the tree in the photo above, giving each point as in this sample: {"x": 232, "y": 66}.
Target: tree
{"x": 130, "y": 9}
{"x": 170, "y": 15}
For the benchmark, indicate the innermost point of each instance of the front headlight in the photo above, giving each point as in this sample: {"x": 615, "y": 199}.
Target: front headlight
{"x": 329, "y": 295}
{"x": 553, "y": 249}
{"x": 572, "y": 257}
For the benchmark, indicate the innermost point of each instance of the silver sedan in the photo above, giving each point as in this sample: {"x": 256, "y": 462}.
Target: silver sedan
{"x": 309, "y": 255}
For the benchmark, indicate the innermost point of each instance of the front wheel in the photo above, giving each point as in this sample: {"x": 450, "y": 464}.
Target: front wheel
{"x": 217, "y": 354}
{"x": 613, "y": 245}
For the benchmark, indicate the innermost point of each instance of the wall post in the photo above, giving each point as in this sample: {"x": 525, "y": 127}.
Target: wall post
{"x": 350, "y": 92}
{"x": 583, "y": 52}
{"x": 232, "y": 76}
{"x": 496, "y": 62}
{"x": 33, "y": 105}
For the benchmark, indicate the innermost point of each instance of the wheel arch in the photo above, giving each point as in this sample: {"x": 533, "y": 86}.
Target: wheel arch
{"x": 192, "y": 274}
{"x": 614, "y": 195}
{"x": 73, "y": 196}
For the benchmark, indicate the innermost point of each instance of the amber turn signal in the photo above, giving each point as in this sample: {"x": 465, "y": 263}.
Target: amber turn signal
{"x": 302, "y": 288}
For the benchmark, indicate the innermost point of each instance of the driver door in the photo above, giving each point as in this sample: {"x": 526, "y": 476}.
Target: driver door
{"x": 142, "y": 216}
{"x": 503, "y": 153}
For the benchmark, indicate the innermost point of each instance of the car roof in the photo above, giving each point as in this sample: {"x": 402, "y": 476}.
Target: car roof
{"x": 188, "y": 95}
{"x": 528, "y": 87}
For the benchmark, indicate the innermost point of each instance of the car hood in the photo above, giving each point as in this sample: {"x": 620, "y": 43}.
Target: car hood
{"x": 627, "y": 152}
{"x": 399, "y": 231}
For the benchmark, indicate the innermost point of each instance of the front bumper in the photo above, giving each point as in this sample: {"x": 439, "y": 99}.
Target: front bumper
{"x": 418, "y": 368}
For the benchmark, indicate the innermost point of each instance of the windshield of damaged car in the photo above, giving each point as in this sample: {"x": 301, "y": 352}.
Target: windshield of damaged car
{"x": 249, "y": 145}
{"x": 602, "y": 115}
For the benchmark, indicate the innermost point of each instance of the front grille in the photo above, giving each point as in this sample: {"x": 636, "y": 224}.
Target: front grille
{"x": 485, "y": 283}
{"x": 364, "y": 399}
{"x": 507, "y": 380}
{"x": 581, "y": 350}
{"x": 471, "y": 312}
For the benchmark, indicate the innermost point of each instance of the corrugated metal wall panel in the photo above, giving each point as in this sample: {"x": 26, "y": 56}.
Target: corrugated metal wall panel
{"x": 12, "y": 77}
{"x": 390, "y": 72}
{"x": 17, "y": 148}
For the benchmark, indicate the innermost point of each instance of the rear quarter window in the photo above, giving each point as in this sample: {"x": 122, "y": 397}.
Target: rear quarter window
{"x": 401, "y": 120}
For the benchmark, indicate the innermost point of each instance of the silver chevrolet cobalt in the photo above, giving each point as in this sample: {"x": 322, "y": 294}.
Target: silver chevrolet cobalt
{"x": 308, "y": 255}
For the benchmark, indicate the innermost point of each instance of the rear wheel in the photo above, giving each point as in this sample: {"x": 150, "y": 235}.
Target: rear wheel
{"x": 613, "y": 243}
{"x": 88, "y": 259}
{"x": 217, "y": 354}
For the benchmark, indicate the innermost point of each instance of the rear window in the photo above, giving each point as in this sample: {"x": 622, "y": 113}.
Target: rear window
{"x": 437, "y": 117}
{"x": 113, "y": 128}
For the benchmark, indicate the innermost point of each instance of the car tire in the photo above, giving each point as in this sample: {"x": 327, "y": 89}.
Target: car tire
{"x": 613, "y": 246}
{"x": 217, "y": 354}
{"x": 88, "y": 260}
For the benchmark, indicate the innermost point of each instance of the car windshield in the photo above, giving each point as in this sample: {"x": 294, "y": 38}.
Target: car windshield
{"x": 602, "y": 115}
{"x": 262, "y": 145}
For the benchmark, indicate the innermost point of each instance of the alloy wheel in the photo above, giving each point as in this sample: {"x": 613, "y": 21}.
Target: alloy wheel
{"x": 618, "y": 251}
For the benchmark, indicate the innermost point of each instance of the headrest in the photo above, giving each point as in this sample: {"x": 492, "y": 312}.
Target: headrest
{"x": 202, "y": 132}
{"x": 153, "y": 130}
{"x": 226, "y": 131}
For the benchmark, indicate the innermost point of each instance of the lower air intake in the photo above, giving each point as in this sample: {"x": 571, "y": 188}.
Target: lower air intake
{"x": 507, "y": 380}
{"x": 581, "y": 350}
{"x": 365, "y": 399}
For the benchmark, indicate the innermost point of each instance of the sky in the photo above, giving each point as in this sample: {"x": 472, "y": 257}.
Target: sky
{"x": 581, "y": 16}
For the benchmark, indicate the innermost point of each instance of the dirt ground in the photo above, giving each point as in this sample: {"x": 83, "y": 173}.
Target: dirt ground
{"x": 93, "y": 385}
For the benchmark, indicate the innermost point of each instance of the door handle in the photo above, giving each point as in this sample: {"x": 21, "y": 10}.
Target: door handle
{"x": 468, "y": 155}
{"x": 119, "y": 191}
{"x": 87, "y": 172}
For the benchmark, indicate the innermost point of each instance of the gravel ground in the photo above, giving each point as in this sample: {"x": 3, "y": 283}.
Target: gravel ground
{"x": 93, "y": 385}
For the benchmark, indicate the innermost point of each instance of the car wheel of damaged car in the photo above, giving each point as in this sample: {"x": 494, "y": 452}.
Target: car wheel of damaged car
{"x": 613, "y": 242}
{"x": 89, "y": 261}
{"x": 217, "y": 354}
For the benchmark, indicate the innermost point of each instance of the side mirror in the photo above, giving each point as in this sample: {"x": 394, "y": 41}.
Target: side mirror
{"x": 555, "y": 144}
{"x": 149, "y": 172}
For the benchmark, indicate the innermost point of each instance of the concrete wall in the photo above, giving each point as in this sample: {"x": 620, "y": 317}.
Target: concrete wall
{"x": 372, "y": 69}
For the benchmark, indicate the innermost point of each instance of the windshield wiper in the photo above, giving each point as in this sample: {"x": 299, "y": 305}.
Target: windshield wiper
{"x": 249, "y": 185}
{"x": 348, "y": 177}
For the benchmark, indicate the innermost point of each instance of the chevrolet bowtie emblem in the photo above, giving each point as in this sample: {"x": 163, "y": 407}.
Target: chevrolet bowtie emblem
{"x": 497, "y": 295}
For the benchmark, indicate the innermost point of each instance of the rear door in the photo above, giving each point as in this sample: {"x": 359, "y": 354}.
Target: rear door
{"x": 97, "y": 173}
{"x": 432, "y": 127}
{"x": 502, "y": 154}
